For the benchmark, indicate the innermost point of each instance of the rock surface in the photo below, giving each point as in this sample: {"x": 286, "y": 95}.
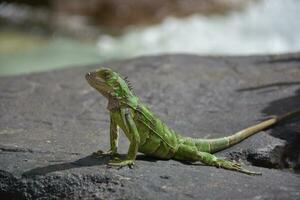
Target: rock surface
{"x": 51, "y": 122}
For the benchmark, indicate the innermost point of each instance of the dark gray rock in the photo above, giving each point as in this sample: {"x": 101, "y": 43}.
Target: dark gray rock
{"x": 50, "y": 123}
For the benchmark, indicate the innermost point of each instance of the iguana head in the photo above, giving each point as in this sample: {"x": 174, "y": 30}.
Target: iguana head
{"x": 110, "y": 84}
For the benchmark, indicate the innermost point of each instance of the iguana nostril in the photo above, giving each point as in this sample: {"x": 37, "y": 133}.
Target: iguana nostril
{"x": 87, "y": 75}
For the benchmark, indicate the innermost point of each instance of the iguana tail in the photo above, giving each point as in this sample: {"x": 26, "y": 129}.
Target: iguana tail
{"x": 214, "y": 145}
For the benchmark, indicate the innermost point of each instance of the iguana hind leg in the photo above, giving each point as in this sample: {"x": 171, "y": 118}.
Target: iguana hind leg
{"x": 190, "y": 153}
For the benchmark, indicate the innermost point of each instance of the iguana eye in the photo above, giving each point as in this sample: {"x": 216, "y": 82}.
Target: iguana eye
{"x": 106, "y": 75}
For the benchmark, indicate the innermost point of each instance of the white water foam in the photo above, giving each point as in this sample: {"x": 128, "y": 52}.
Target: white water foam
{"x": 271, "y": 26}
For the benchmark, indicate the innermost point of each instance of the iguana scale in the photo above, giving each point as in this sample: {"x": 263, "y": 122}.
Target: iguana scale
{"x": 149, "y": 135}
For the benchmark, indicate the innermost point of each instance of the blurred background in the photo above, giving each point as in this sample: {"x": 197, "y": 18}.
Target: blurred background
{"x": 40, "y": 35}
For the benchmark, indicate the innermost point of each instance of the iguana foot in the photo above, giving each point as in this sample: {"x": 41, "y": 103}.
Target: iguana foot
{"x": 106, "y": 153}
{"x": 121, "y": 163}
{"x": 234, "y": 166}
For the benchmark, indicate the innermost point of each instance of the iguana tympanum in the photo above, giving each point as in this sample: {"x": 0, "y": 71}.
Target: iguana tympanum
{"x": 149, "y": 135}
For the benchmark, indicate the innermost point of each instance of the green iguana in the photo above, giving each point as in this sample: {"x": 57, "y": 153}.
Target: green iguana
{"x": 149, "y": 135}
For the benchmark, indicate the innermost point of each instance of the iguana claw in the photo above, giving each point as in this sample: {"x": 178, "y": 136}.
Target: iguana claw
{"x": 234, "y": 166}
{"x": 105, "y": 153}
{"x": 121, "y": 163}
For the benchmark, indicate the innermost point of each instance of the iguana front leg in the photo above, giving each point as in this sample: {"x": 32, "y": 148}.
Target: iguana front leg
{"x": 114, "y": 137}
{"x": 133, "y": 136}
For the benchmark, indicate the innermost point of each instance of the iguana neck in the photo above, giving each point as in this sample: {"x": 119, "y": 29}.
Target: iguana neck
{"x": 113, "y": 104}
{"x": 131, "y": 102}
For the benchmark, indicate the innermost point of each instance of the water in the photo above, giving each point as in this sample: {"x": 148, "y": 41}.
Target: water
{"x": 271, "y": 26}
{"x": 22, "y": 53}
